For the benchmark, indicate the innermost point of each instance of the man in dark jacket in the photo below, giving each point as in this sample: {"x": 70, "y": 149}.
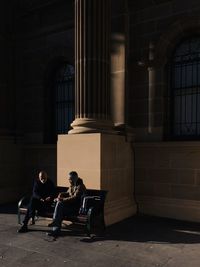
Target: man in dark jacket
{"x": 42, "y": 198}
{"x": 67, "y": 203}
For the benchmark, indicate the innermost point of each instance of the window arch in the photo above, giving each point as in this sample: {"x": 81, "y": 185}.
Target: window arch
{"x": 64, "y": 97}
{"x": 185, "y": 90}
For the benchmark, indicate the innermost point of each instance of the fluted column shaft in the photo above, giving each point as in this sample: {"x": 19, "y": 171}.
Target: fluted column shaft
{"x": 92, "y": 66}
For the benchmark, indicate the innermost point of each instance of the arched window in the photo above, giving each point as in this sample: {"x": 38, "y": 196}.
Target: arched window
{"x": 64, "y": 98}
{"x": 185, "y": 90}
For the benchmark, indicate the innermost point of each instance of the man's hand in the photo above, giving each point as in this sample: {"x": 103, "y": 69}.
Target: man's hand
{"x": 41, "y": 199}
{"x": 47, "y": 198}
{"x": 60, "y": 197}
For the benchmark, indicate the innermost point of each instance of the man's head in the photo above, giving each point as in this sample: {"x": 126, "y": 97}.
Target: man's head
{"x": 73, "y": 177}
{"x": 43, "y": 177}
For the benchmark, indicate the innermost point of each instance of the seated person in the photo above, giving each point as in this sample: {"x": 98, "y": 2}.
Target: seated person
{"x": 67, "y": 203}
{"x": 42, "y": 197}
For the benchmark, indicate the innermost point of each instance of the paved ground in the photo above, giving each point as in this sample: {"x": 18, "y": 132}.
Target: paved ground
{"x": 138, "y": 242}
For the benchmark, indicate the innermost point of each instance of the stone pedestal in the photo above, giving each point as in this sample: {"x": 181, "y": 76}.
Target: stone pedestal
{"x": 104, "y": 162}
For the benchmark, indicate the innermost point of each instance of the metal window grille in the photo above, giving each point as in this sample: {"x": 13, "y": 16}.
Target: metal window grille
{"x": 185, "y": 90}
{"x": 64, "y": 86}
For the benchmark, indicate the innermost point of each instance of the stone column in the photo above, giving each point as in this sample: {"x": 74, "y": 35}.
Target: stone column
{"x": 92, "y": 67}
{"x": 152, "y": 84}
{"x": 119, "y": 70}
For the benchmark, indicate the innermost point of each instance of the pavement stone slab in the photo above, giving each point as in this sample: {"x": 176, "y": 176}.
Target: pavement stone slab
{"x": 136, "y": 242}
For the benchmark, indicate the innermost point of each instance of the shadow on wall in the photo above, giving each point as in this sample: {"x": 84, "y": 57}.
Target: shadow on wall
{"x": 8, "y": 208}
{"x": 39, "y": 158}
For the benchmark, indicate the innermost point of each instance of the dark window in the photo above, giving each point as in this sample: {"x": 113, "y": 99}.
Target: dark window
{"x": 185, "y": 90}
{"x": 64, "y": 98}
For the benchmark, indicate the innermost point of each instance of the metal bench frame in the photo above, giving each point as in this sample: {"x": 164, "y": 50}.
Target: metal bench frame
{"x": 91, "y": 213}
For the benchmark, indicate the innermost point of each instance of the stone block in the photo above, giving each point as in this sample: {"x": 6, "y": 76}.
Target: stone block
{"x": 180, "y": 6}
{"x": 197, "y": 177}
{"x": 156, "y": 11}
{"x": 144, "y": 189}
{"x": 186, "y": 192}
{"x": 188, "y": 157}
{"x": 118, "y": 7}
{"x": 104, "y": 162}
{"x": 188, "y": 210}
{"x": 139, "y": 120}
{"x": 140, "y": 106}
{"x": 141, "y": 174}
{"x": 163, "y": 176}
{"x": 143, "y": 28}
{"x": 162, "y": 190}
{"x": 79, "y": 153}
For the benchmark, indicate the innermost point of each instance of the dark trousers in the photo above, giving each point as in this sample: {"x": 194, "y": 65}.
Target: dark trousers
{"x": 63, "y": 209}
{"x": 35, "y": 204}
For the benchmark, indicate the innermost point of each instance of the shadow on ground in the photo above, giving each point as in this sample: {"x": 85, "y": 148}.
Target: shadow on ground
{"x": 155, "y": 230}
{"x": 135, "y": 229}
{"x": 144, "y": 229}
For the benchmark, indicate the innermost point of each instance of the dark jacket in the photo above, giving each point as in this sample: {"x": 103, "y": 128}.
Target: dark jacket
{"x": 45, "y": 190}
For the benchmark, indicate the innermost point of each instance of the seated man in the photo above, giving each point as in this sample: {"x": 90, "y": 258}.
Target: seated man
{"x": 67, "y": 203}
{"x": 43, "y": 194}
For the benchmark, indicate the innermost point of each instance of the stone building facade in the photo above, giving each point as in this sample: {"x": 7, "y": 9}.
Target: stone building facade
{"x": 133, "y": 127}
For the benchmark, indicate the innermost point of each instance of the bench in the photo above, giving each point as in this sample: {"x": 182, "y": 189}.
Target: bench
{"x": 91, "y": 212}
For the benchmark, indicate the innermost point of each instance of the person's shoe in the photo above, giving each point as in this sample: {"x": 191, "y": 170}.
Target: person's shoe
{"x": 52, "y": 224}
{"x": 53, "y": 233}
{"x": 23, "y": 229}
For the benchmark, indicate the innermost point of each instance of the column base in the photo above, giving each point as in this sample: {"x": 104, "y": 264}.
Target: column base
{"x": 86, "y": 125}
{"x": 103, "y": 161}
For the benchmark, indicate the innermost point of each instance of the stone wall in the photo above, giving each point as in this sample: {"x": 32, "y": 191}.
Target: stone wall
{"x": 11, "y": 178}
{"x": 167, "y": 179}
{"x": 12, "y": 185}
{"x": 37, "y": 158}
{"x": 7, "y": 106}
{"x": 44, "y": 39}
{"x": 154, "y": 31}
{"x": 166, "y": 173}
{"x": 35, "y": 37}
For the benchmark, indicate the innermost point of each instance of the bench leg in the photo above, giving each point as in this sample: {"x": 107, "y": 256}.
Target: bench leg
{"x": 19, "y": 217}
{"x": 102, "y": 223}
{"x": 89, "y": 223}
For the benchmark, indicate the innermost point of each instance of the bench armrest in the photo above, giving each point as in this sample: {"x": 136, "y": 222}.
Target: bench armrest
{"x": 23, "y": 202}
{"x": 90, "y": 202}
